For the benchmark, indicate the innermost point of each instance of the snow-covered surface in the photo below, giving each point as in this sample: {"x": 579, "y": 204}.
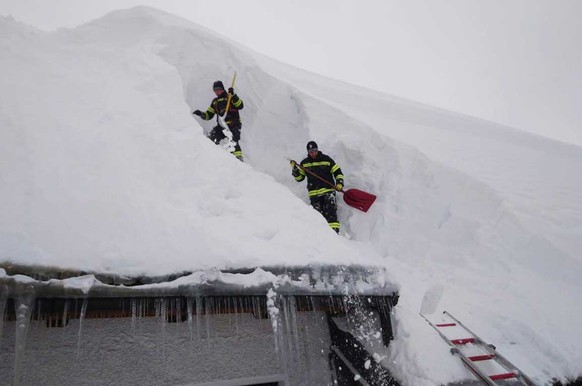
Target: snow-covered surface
{"x": 104, "y": 169}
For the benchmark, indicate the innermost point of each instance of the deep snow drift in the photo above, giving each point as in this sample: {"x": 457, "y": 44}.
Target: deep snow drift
{"x": 103, "y": 168}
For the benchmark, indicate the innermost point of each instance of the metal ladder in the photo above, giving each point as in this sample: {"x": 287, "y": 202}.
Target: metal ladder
{"x": 485, "y": 353}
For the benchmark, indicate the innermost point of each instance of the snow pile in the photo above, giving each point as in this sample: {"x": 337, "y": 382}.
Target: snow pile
{"x": 104, "y": 169}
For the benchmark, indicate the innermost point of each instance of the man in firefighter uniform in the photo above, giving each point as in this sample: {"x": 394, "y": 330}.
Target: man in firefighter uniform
{"x": 321, "y": 195}
{"x": 232, "y": 119}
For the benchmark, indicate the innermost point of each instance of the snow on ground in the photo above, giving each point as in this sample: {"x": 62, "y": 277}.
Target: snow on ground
{"x": 103, "y": 168}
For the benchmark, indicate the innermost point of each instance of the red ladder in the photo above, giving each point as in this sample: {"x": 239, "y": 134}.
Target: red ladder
{"x": 489, "y": 353}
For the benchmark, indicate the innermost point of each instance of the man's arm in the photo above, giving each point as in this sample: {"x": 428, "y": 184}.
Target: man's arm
{"x": 297, "y": 172}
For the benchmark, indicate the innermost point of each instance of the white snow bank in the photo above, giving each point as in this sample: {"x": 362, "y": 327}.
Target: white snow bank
{"x": 104, "y": 169}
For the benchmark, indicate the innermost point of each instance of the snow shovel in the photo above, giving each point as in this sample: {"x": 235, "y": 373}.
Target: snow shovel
{"x": 353, "y": 197}
{"x": 230, "y": 146}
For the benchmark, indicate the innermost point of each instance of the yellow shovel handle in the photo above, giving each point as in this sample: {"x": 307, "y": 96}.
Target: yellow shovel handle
{"x": 229, "y": 96}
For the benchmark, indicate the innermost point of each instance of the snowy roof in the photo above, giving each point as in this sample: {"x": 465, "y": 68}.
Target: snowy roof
{"x": 310, "y": 280}
{"x": 103, "y": 169}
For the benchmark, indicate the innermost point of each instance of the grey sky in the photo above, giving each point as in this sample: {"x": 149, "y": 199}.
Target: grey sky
{"x": 516, "y": 62}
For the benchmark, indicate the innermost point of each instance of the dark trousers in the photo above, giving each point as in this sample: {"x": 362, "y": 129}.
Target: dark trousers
{"x": 326, "y": 205}
{"x": 216, "y": 135}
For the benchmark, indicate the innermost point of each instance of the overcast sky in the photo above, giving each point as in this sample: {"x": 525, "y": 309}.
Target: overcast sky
{"x": 516, "y": 62}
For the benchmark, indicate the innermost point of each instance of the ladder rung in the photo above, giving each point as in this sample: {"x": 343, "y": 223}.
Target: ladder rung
{"x": 485, "y": 357}
{"x": 463, "y": 341}
{"x": 446, "y": 324}
{"x": 503, "y": 376}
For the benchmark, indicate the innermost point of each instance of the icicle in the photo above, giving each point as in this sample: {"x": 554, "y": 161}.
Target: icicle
{"x": 294, "y": 360}
{"x": 163, "y": 312}
{"x": 164, "y": 306}
{"x": 287, "y": 324}
{"x": 144, "y": 304}
{"x": 140, "y": 309}
{"x": 178, "y": 310}
{"x": 3, "y": 300}
{"x": 65, "y": 313}
{"x": 172, "y": 313}
{"x": 189, "y": 310}
{"x": 332, "y": 305}
{"x": 257, "y": 306}
{"x": 208, "y": 304}
{"x": 227, "y": 309}
{"x": 23, "y": 305}
{"x": 293, "y": 312}
{"x": 274, "y": 316}
{"x": 235, "y": 301}
{"x": 133, "y": 313}
{"x": 310, "y": 303}
{"x": 65, "y": 318}
{"x": 81, "y": 319}
{"x": 198, "y": 316}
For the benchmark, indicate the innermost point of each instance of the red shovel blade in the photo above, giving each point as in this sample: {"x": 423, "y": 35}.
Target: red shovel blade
{"x": 359, "y": 199}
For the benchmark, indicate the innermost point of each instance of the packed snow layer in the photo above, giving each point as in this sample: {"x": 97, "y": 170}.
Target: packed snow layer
{"x": 103, "y": 168}
{"x": 532, "y": 174}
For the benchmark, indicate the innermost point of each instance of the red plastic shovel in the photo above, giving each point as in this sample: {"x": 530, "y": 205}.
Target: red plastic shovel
{"x": 353, "y": 197}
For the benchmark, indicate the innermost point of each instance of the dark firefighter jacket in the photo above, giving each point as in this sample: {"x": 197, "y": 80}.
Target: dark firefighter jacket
{"x": 324, "y": 167}
{"x": 218, "y": 105}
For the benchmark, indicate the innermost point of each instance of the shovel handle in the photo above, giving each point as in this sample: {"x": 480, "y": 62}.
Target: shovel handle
{"x": 315, "y": 175}
{"x": 229, "y": 96}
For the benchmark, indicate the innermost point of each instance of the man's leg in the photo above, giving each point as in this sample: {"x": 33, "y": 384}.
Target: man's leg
{"x": 330, "y": 211}
{"x": 316, "y": 203}
{"x": 235, "y": 130}
{"x": 326, "y": 205}
{"x": 216, "y": 135}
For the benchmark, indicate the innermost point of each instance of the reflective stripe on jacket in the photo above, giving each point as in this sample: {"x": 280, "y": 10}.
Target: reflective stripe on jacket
{"x": 218, "y": 105}
{"x": 325, "y": 167}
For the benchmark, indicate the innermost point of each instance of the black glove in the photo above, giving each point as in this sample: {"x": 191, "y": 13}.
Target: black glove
{"x": 198, "y": 112}
{"x": 231, "y": 91}
{"x": 294, "y": 169}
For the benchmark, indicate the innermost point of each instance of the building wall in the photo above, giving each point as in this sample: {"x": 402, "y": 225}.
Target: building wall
{"x": 150, "y": 351}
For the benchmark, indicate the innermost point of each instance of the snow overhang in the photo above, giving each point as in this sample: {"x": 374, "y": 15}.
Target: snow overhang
{"x": 312, "y": 280}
